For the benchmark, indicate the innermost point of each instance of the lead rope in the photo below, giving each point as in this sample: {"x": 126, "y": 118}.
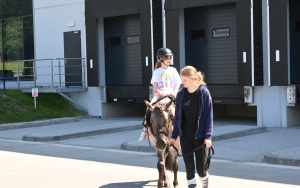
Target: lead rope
{"x": 211, "y": 149}
{"x": 211, "y": 153}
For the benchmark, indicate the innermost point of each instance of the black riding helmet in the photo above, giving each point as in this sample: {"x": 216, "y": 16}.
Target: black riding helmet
{"x": 164, "y": 52}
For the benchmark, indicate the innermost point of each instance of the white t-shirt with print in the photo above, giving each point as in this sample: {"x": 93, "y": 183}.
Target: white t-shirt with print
{"x": 166, "y": 79}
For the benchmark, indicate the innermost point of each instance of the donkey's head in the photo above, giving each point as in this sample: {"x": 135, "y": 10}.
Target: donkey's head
{"x": 160, "y": 123}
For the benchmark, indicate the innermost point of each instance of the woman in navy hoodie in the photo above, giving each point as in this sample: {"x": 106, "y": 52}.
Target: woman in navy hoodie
{"x": 194, "y": 124}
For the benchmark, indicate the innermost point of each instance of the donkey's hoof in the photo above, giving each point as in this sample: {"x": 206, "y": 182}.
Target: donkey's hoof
{"x": 167, "y": 185}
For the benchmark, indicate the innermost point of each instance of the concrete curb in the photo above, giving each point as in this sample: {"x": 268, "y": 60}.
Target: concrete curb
{"x": 125, "y": 146}
{"x": 237, "y": 134}
{"x": 23, "y": 125}
{"x": 33, "y": 138}
{"x": 288, "y": 156}
{"x": 275, "y": 159}
{"x": 143, "y": 148}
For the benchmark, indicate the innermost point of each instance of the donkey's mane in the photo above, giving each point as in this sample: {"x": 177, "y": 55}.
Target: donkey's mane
{"x": 159, "y": 108}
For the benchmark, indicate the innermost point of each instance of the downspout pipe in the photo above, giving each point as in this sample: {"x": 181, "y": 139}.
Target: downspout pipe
{"x": 164, "y": 23}
{"x": 152, "y": 45}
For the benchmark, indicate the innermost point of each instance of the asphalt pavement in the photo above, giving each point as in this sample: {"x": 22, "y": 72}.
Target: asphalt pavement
{"x": 278, "y": 145}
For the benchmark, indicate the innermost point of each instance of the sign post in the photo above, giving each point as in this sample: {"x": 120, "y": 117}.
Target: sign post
{"x": 35, "y": 93}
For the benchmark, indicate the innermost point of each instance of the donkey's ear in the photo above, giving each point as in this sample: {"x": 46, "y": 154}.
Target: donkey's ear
{"x": 168, "y": 105}
{"x": 150, "y": 107}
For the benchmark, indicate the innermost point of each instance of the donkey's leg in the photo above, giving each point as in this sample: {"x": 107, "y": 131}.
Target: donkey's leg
{"x": 160, "y": 167}
{"x": 175, "y": 170}
{"x": 166, "y": 162}
{"x": 166, "y": 179}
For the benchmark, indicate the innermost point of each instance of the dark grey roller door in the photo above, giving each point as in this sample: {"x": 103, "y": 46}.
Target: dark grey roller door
{"x": 295, "y": 41}
{"x": 278, "y": 43}
{"x": 211, "y": 42}
{"x": 123, "y": 50}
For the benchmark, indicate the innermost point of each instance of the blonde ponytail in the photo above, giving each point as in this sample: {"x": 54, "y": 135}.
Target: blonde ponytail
{"x": 200, "y": 79}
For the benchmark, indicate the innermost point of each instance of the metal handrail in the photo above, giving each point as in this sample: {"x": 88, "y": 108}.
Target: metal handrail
{"x": 49, "y": 59}
{"x": 54, "y": 70}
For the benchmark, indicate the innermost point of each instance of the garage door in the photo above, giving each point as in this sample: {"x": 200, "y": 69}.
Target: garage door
{"x": 211, "y": 42}
{"x": 123, "y": 50}
{"x": 295, "y": 41}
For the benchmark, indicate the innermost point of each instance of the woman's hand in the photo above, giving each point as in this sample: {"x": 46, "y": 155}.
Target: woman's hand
{"x": 207, "y": 143}
{"x": 172, "y": 94}
{"x": 172, "y": 141}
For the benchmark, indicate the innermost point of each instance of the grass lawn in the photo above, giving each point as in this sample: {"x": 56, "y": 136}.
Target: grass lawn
{"x": 16, "y": 106}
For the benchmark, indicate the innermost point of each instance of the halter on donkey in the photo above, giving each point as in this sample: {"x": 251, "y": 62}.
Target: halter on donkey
{"x": 160, "y": 116}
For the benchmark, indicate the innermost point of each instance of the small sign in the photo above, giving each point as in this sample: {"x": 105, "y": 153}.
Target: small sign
{"x": 146, "y": 59}
{"x": 35, "y": 92}
{"x": 133, "y": 39}
{"x": 221, "y": 32}
{"x": 244, "y": 57}
{"x": 71, "y": 24}
{"x": 277, "y": 55}
{"x": 91, "y": 63}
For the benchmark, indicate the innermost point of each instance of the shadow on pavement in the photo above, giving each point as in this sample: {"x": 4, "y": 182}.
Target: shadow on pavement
{"x": 137, "y": 184}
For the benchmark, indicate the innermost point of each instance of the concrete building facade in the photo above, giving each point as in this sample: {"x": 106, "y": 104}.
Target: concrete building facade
{"x": 246, "y": 49}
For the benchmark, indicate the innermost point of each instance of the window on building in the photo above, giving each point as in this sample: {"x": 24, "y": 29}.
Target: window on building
{"x": 16, "y": 38}
{"x": 12, "y": 37}
{"x": 114, "y": 41}
{"x": 1, "y": 54}
{"x": 16, "y": 8}
{"x": 197, "y": 34}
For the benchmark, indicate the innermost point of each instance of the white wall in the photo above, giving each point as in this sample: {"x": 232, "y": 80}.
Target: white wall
{"x": 89, "y": 100}
{"x": 51, "y": 20}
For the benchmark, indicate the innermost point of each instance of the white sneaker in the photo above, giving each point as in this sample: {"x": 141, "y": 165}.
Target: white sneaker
{"x": 205, "y": 180}
{"x": 192, "y": 183}
{"x": 143, "y": 135}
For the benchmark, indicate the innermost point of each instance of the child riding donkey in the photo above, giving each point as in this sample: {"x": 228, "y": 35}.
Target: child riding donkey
{"x": 165, "y": 80}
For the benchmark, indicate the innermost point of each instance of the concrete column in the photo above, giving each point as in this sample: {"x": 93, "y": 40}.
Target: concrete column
{"x": 271, "y": 106}
{"x": 270, "y": 101}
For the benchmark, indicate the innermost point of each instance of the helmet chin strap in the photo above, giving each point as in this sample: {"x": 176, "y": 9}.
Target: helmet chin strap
{"x": 164, "y": 63}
